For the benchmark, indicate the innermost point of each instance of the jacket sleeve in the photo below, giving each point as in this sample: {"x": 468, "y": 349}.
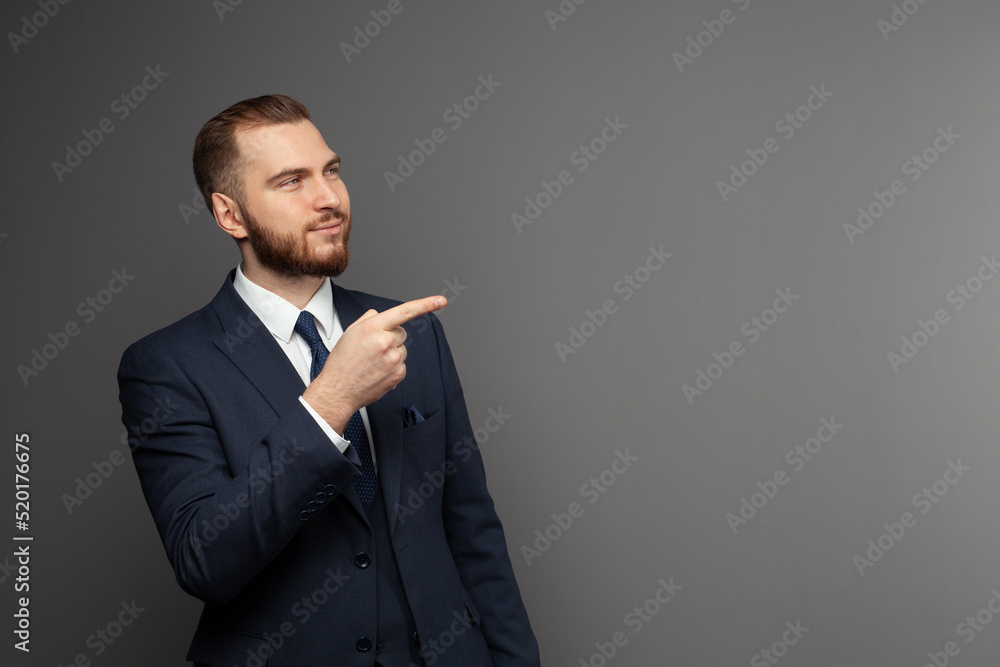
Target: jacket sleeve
{"x": 475, "y": 535}
{"x": 221, "y": 518}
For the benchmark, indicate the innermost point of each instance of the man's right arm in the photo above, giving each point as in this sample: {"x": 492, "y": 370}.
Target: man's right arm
{"x": 225, "y": 508}
{"x": 222, "y": 518}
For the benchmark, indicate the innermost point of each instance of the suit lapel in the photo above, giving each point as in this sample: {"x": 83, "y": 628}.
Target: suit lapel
{"x": 385, "y": 416}
{"x": 249, "y": 345}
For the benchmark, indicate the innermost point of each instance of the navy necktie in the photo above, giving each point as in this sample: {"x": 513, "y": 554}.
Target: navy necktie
{"x": 355, "y": 430}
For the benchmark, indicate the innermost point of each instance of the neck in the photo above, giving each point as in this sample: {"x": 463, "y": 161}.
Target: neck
{"x": 296, "y": 289}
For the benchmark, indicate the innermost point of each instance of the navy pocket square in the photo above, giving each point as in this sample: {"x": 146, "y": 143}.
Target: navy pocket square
{"x": 411, "y": 416}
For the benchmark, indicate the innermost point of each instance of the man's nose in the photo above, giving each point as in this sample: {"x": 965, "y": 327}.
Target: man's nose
{"x": 326, "y": 195}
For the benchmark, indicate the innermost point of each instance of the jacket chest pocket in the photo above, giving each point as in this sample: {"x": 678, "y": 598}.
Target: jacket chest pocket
{"x": 423, "y": 432}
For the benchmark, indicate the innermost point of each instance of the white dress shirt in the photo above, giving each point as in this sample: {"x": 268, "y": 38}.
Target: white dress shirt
{"x": 280, "y": 316}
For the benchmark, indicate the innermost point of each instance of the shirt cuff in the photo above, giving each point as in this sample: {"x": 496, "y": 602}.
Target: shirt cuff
{"x": 342, "y": 444}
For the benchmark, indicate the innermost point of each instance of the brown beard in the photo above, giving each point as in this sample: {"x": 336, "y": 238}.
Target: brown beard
{"x": 289, "y": 255}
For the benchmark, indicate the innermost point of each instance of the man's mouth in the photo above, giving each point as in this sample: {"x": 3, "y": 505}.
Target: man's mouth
{"x": 328, "y": 228}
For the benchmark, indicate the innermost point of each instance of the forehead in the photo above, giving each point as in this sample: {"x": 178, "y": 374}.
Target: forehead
{"x": 268, "y": 149}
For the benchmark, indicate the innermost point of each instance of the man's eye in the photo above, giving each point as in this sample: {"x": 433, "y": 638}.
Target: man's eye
{"x": 333, "y": 170}
{"x": 291, "y": 181}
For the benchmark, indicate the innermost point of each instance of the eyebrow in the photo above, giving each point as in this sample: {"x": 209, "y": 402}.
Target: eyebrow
{"x": 298, "y": 171}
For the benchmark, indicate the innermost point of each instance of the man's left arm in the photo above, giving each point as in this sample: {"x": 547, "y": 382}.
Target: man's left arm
{"x": 475, "y": 534}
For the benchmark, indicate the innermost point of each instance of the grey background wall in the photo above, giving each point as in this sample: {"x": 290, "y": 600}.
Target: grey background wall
{"x": 681, "y": 483}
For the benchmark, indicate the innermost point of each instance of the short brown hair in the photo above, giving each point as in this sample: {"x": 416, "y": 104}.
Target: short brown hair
{"x": 218, "y": 165}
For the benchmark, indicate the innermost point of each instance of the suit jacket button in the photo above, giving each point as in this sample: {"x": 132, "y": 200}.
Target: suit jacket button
{"x": 364, "y": 644}
{"x": 303, "y": 515}
{"x": 312, "y": 505}
{"x": 330, "y": 489}
{"x": 362, "y": 560}
{"x": 321, "y": 497}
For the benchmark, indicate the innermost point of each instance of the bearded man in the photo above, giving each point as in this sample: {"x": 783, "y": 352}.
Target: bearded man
{"x": 295, "y": 424}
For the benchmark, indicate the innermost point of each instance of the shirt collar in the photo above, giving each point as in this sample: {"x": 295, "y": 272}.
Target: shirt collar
{"x": 279, "y": 315}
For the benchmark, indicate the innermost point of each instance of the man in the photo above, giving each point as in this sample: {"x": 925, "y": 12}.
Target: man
{"x": 312, "y": 470}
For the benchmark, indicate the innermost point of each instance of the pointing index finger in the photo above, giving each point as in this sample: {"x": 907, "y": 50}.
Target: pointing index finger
{"x": 404, "y": 312}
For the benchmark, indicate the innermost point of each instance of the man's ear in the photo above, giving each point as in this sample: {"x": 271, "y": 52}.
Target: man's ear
{"x": 228, "y": 215}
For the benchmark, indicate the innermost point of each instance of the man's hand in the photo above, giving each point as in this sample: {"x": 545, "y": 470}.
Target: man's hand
{"x": 366, "y": 362}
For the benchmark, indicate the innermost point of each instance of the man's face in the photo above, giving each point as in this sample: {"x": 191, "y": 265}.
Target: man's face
{"x": 295, "y": 210}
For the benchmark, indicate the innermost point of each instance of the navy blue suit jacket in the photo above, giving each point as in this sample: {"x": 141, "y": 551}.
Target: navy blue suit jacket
{"x": 259, "y": 517}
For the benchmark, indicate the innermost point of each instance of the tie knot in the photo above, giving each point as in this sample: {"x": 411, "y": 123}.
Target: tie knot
{"x": 305, "y": 326}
